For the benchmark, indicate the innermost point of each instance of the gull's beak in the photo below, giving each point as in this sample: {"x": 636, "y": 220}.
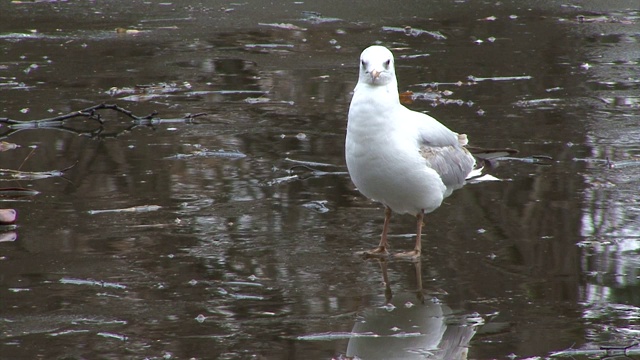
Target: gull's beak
{"x": 375, "y": 74}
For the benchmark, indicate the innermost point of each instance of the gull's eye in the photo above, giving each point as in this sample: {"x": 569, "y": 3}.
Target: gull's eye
{"x": 387, "y": 63}
{"x": 364, "y": 63}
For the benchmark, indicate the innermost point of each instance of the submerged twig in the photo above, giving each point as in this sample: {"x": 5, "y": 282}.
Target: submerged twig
{"x": 33, "y": 175}
{"x": 204, "y": 152}
{"x": 133, "y": 209}
{"x": 91, "y": 113}
{"x": 303, "y": 171}
{"x": 309, "y": 171}
{"x": 33, "y": 150}
{"x": 17, "y": 192}
{"x": 603, "y": 352}
{"x": 307, "y": 163}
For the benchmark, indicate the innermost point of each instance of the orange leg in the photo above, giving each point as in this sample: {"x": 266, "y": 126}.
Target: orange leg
{"x": 382, "y": 250}
{"x": 417, "y": 250}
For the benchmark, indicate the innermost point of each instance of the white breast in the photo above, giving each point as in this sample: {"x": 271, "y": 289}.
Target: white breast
{"x": 384, "y": 162}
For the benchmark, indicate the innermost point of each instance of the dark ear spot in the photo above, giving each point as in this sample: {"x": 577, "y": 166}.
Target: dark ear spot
{"x": 387, "y": 63}
{"x": 364, "y": 63}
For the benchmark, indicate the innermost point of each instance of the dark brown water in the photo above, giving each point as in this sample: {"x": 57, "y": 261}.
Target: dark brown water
{"x": 225, "y": 254}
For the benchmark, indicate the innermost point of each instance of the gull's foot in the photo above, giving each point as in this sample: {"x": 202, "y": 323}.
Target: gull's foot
{"x": 410, "y": 255}
{"x": 379, "y": 252}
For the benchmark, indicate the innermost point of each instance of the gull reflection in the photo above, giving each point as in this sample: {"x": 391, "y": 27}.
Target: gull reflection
{"x": 411, "y": 325}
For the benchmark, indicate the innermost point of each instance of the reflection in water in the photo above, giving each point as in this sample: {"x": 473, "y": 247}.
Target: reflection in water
{"x": 610, "y": 224}
{"x": 234, "y": 266}
{"x": 410, "y": 325}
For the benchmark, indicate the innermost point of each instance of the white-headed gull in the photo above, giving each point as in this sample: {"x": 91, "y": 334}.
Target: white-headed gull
{"x": 404, "y": 159}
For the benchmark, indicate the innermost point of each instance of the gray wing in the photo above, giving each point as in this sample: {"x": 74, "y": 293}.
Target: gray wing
{"x": 444, "y": 151}
{"x": 453, "y": 163}
{"x": 433, "y": 133}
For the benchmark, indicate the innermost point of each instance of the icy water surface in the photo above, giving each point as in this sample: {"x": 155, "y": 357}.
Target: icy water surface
{"x": 232, "y": 234}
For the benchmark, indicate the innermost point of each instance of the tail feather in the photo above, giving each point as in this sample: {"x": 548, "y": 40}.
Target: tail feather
{"x": 490, "y": 154}
{"x": 486, "y": 158}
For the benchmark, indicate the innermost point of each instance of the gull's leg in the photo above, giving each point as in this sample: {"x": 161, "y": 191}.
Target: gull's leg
{"x": 419, "y": 292}
{"x": 381, "y": 250}
{"x": 417, "y": 250}
{"x": 388, "y": 294}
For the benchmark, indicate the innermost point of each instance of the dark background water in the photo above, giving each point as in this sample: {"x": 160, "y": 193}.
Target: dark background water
{"x": 242, "y": 261}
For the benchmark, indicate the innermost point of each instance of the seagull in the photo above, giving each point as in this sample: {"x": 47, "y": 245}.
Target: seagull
{"x": 404, "y": 159}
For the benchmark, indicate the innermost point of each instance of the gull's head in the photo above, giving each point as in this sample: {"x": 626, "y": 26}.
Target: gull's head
{"x": 377, "y": 66}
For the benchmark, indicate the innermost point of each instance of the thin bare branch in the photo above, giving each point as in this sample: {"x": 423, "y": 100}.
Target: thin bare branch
{"x": 90, "y": 113}
{"x": 604, "y": 352}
